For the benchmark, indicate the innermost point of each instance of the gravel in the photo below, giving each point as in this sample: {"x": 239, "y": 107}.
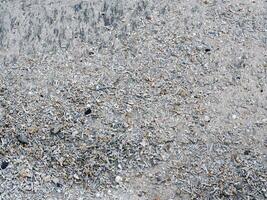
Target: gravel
{"x": 133, "y": 99}
{"x": 4, "y": 164}
{"x": 23, "y": 139}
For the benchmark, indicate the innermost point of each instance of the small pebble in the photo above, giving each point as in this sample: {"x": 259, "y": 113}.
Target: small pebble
{"x": 23, "y": 139}
{"x": 88, "y": 111}
{"x": 148, "y": 17}
{"x": 207, "y": 119}
{"x": 91, "y": 53}
{"x": 55, "y": 180}
{"x": 207, "y": 50}
{"x": 246, "y": 152}
{"x": 74, "y": 133}
{"x": 234, "y": 116}
{"x": 76, "y": 176}
{"x": 98, "y": 195}
{"x": 4, "y": 164}
{"x": 118, "y": 179}
{"x": 56, "y": 129}
{"x": 58, "y": 185}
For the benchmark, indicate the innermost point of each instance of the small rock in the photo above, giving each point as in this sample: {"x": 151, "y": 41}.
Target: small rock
{"x": 56, "y": 129}
{"x": 207, "y": 50}
{"x": 234, "y": 116}
{"x": 98, "y": 195}
{"x": 90, "y": 53}
{"x": 148, "y": 17}
{"x": 58, "y": 185}
{"x": 118, "y": 179}
{"x": 4, "y": 164}
{"x": 246, "y": 152}
{"x": 182, "y": 92}
{"x": 56, "y": 182}
{"x": 47, "y": 178}
{"x": 23, "y": 139}
{"x": 207, "y": 119}
{"x": 76, "y": 176}
{"x": 88, "y": 111}
{"x": 74, "y": 133}
{"x": 25, "y": 173}
{"x": 61, "y": 161}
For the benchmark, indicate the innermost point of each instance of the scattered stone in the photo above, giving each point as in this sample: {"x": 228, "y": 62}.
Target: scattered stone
{"x": 148, "y": 17}
{"x": 119, "y": 166}
{"x": 246, "y": 152}
{"x": 56, "y": 129}
{"x": 118, "y": 179}
{"x": 182, "y": 92}
{"x": 47, "y": 178}
{"x": 22, "y": 139}
{"x": 76, "y": 176}
{"x": 98, "y": 195}
{"x": 4, "y": 164}
{"x": 207, "y": 118}
{"x": 88, "y": 111}
{"x": 56, "y": 181}
{"x": 207, "y": 50}
{"x": 58, "y": 185}
{"x": 74, "y": 133}
{"x": 25, "y": 173}
{"x": 91, "y": 53}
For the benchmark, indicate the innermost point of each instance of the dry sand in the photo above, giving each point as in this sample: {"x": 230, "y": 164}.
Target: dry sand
{"x": 133, "y": 99}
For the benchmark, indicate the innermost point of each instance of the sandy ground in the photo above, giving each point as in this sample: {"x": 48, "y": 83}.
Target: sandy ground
{"x": 133, "y": 99}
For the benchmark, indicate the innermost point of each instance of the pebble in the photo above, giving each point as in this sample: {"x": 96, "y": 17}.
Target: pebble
{"x": 56, "y": 181}
{"x": 119, "y": 166}
{"x": 207, "y": 50}
{"x": 74, "y": 133}
{"x": 23, "y": 139}
{"x": 246, "y": 152}
{"x": 56, "y": 129}
{"x": 98, "y": 195}
{"x": 24, "y": 173}
{"x": 234, "y": 116}
{"x": 76, "y": 176}
{"x": 207, "y": 119}
{"x": 4, "y": 164}
{"x": 118, "y": 179}
{"x": 88, "y": 111}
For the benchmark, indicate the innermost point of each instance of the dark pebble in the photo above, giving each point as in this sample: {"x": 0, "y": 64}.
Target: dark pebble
{"x": 148, "y": 17}
{"x": 55, "y": 130}
{"x": 88, "y": 111}
{"x": 23, "y": 139}
{"x": 58, "y": 185}
{"x": 4, "y": 164}
{"x": 246, "y": 152}
{"x": 207, "y": 50}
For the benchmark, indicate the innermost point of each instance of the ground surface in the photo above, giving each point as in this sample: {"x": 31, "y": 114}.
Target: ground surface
{"x": 133, "y": 99}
